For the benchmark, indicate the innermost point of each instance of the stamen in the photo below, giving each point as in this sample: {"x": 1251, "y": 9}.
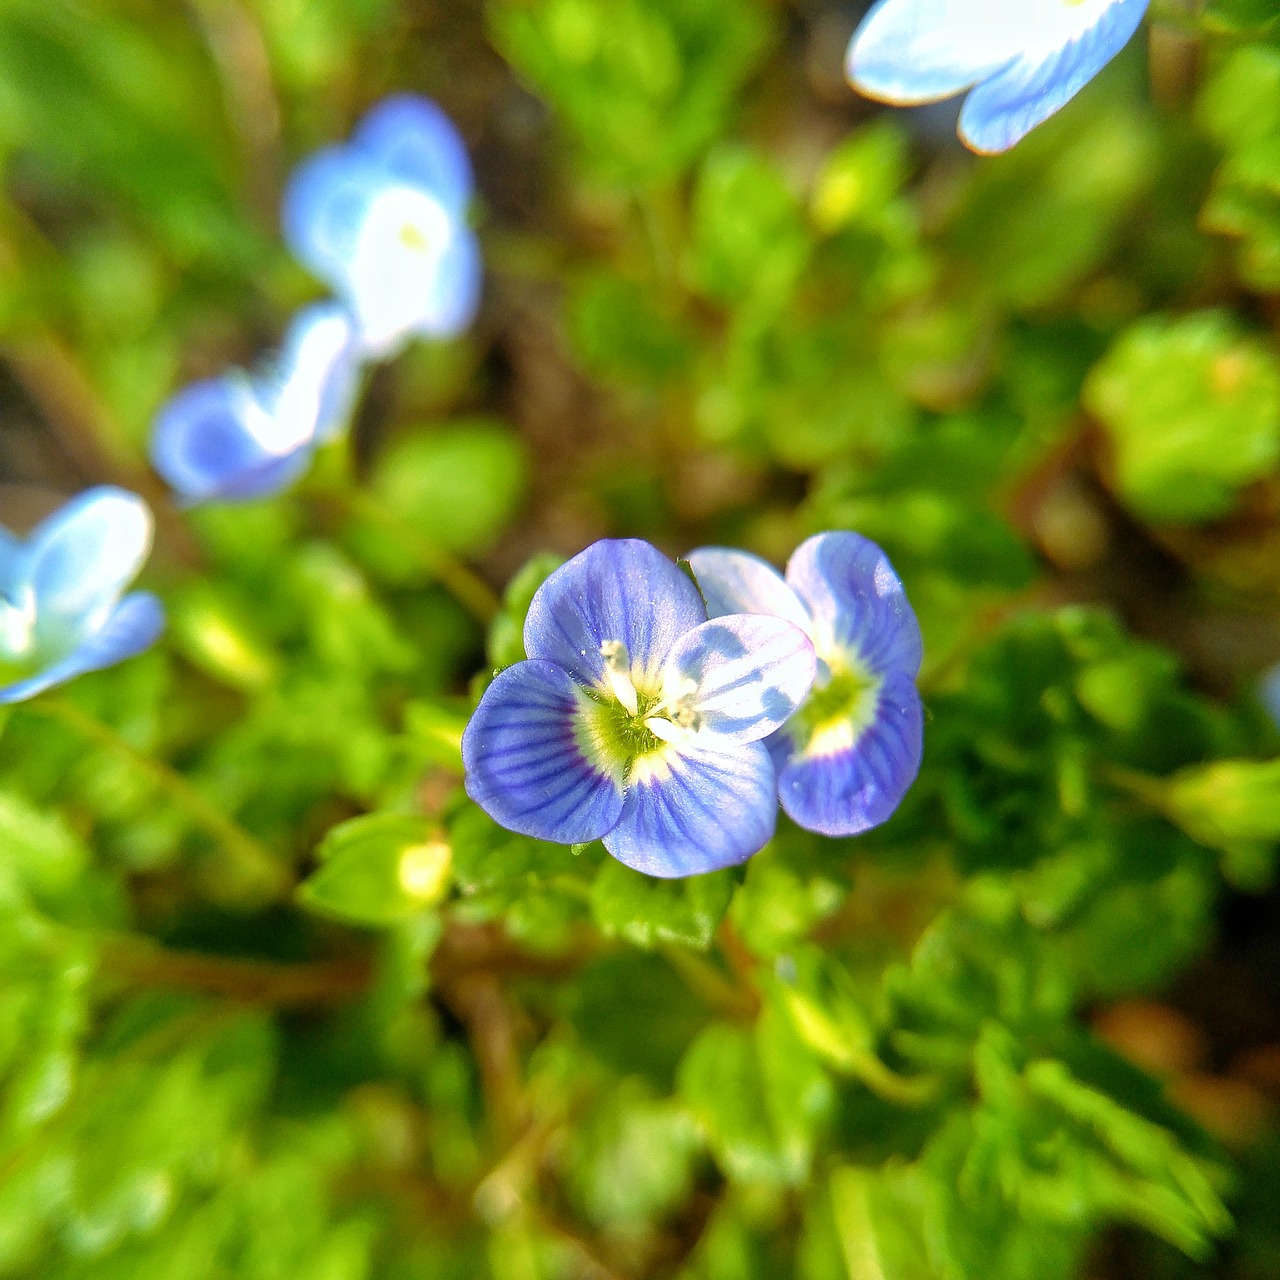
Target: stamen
{"x": 617, "y": 671}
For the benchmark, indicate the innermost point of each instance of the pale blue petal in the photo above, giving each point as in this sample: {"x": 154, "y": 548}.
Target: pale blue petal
{"x": 416, "y": 142}
{"x": 617, "y": 590}
{"x": 13, "y": 565}
{"x": 204, "y": 446}
{"x": 324, "y": 209}
{"x": 134, "y": 625}
{"x": 735, "y": 582}
{"x": 696, "y": 811}
{"x": 746, "y": 675}
{"x": 525, "y": 767}
{"x": 81, "y": 560}
{"x": 912, "y": 51}
{"x": 454, "y": 299}
{"x": 857, "y": 602}
{"x": 1004, "y": 109}
{"x": 318, "y": 374}
{"x": 851, "y": 790}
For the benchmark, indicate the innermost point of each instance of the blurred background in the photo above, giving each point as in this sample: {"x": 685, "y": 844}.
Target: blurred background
{"x": 1030, "y": 1028}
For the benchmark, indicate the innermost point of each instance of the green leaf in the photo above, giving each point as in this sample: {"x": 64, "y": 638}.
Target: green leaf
{"x": 506, "y": 633}
{"x": 456, "y": 487}
{"x": 1192, "y": 408}
{"x": 378, "y": 870}
{"x": 648, "y": 912}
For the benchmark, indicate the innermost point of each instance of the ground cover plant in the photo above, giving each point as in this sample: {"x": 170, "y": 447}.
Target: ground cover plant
{"x": 617, "y": 661}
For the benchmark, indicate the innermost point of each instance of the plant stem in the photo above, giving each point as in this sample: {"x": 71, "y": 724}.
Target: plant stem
{"x": 260, "y": 867}
{"x": 459, "y": 579}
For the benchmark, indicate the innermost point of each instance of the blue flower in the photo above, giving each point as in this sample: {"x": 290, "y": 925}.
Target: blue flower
{"x": 1023, "y": 59}
{"x": 239, "y": 436}
{"x": 383, "y": 222}
{"x": 61, "y": 608}
{"x": 847, "y": 757}
{"x": 637, "y": 721}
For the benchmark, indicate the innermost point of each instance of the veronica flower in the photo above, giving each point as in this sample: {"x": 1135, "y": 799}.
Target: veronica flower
{"x": 63, "y": 611}
{"x": 1023, "y": 59}
{"x": 242, "y": 436}
{"x": 382, "y": 221}
{"x": 847, "y": 757}
{"x": 637, "y": 721}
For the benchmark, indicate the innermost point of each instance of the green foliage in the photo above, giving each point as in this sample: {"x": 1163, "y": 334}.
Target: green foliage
{"x": 278, "y": 1000}
{"x": 1193, "y": 410}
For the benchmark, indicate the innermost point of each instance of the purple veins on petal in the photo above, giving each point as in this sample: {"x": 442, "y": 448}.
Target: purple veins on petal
{"x": 695, "y": 810}
{"x": 620, "y": 591}
{"x": 738, "y": 678}
{"x": 527, "y": 762}
{"x": 842, "y": 784}
{"x": 857, "y": 601}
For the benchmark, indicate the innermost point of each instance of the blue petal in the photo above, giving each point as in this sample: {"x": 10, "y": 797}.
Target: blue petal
{"x": 694, "y": 810}
{"x": 324, "y": 209}
{"x": 80, "y": 561}
{"x": 1004, "y": 109}
{"x": 134, "y": 625}
{"x": 204, "y": 446}
{"x": 748, "y": 674}
{"x": 857, "y": 601}
{"x": 859, "y": 787}
{"x": 317, "y": 376}
{"x": 525, "y": 766}
{"x": 452, "y": 304}
{"x": 13, "y": 565}
{"x": 413, "y": 139}
{"x": 735, "y": 582}
{"x": 912, "y": 51}
{"x": 616, "y": 590}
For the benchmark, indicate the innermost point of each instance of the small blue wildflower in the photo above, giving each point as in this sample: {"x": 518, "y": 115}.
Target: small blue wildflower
{"x": 1023, "y": 59}
{"x": 61, "y": 608}
{"x": 383, "y": 222}
{"x": 238, "y": 436}
{"x": 637, "y": 721}
{"x": 847, "y": 757}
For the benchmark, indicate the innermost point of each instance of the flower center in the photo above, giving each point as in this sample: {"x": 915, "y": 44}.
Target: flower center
{"x": 622, "y": 727}
{"x": 838, "y": 710}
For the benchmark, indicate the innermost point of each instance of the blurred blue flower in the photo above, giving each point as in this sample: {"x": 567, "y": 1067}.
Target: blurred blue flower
{"x": 61, "y": 608}
{"x": 1023, "y": 59}
{"x": 238, "y": 436}
{"x": 383, "y": 221}
{"x": 848, "y": 756}
{"x": 1269, "y": 693}
{"x": 636, "y": 720}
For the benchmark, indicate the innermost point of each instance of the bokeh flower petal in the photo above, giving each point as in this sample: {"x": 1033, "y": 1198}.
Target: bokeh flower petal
{"x": 1005, "y": 108}
{"x": 745, "y": 674}
{"x": 526, "y": 766}
{"x": 617, "y": 590}
{"x": 913, "y": 51}
{"x": 133, "y": 625}
{"x": 413, "y": 138}
{"x": 206, "y": 444}
{"x": 844, "y": 791}
{"x": 82, "y": 558}
{"x": 692, "y": 810}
